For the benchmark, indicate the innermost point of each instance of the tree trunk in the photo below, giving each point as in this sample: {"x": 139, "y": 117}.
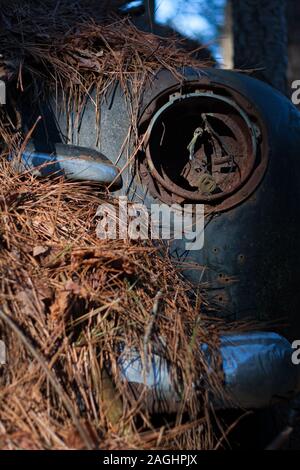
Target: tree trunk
{"x": 260, "y": 39}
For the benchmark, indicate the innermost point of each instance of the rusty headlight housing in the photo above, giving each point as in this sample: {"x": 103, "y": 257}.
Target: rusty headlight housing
{"x": 230, "y": 156}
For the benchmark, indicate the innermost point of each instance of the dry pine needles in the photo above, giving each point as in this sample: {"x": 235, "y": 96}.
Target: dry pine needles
{"x": 69, "y": 301}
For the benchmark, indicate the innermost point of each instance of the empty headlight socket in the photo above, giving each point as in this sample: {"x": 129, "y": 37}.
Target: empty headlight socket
{"x": 203, "y": 144}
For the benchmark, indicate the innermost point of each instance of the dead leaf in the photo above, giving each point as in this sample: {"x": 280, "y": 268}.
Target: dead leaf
{"x": 39, "y": 250}
{"x": 60, "y": 306}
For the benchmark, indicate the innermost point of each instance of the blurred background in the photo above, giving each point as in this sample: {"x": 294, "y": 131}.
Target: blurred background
{"x": 258, "y": 35}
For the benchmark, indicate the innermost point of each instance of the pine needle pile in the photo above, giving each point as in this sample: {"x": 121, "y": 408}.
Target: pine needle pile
{"x": 70, "y": 301}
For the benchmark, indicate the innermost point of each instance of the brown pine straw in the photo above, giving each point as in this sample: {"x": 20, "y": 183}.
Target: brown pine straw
{"x": 68, "y": 300}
